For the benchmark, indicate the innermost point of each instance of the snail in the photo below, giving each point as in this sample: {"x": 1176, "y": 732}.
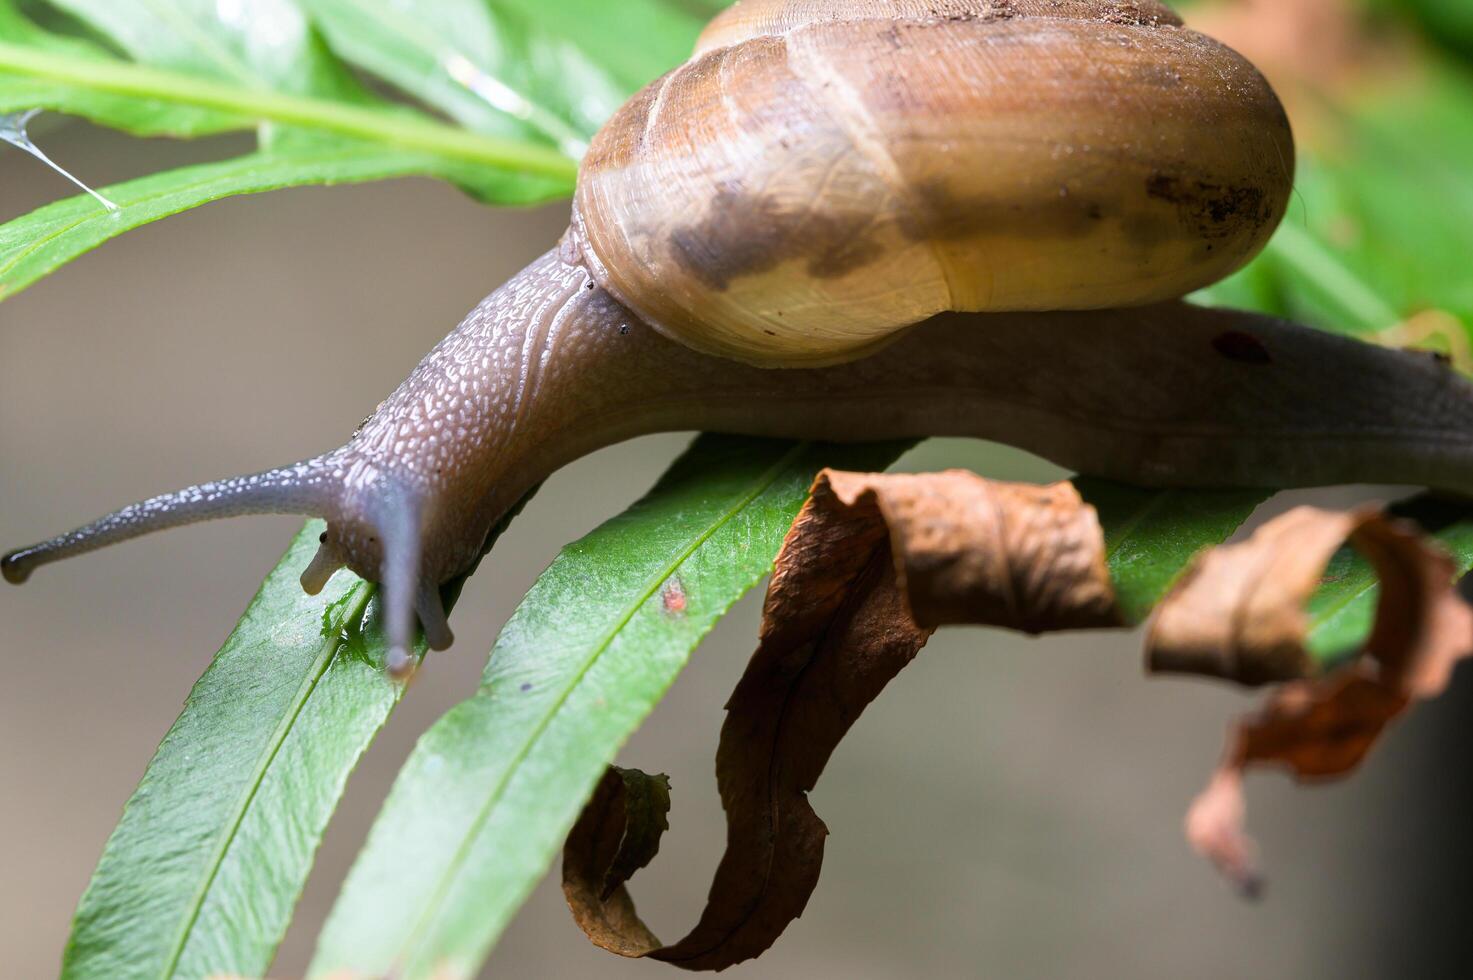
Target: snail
{"x": 871, "y": 219}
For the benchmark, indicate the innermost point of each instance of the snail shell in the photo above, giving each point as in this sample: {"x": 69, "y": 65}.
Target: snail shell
{"x": 824, "y": 173}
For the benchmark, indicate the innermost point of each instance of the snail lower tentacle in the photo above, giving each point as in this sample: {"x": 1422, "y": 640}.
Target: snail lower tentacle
{"x": 550, "y": 367}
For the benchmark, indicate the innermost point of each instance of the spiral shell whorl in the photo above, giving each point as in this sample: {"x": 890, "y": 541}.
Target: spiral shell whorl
{"x": 821, "y": 175}
{"x": 747, "y": 19}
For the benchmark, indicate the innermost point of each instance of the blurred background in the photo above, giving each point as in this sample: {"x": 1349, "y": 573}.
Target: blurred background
{"x": 1009, "y": 808}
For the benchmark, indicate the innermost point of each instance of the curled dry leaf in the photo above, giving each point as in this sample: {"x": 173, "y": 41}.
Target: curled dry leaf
{"x": 873, "y": 564}
{"x": 618, "y": 833}
{"x": 1239, "y": 614}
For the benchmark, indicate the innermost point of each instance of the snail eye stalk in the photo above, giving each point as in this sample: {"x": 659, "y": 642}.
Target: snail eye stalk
{"x": 302, "y": 488}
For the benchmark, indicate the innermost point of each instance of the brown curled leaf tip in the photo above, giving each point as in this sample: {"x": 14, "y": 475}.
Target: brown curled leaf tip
{"x": 872, "y": 565}
{"x": 969, "y": 550}
{"x": 1239, "y": 614}
{"x": 618, "y": 833}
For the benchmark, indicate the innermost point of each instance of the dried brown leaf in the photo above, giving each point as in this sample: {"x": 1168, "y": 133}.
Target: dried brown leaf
{"x": 875, "y": 563}
{"x": 617, "y": 834}
{"x": 865, "y": 552}
{"x": 1239, "y": 614}
{"x": 969, "y": 550}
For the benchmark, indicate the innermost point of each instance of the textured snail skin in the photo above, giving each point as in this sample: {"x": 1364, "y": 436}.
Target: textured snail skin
{"x": 550, "y": 367}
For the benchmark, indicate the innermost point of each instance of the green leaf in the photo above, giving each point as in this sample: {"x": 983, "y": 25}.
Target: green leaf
{"x": 490, "y": 791}
{"x": 1343, "y": 609}
{"x": 258, "y": 43}
{"x": 1449, "y": 22}
{"x": 1151, "y": 535}
{"x": 493, "y": 787}
{"x": 199, "y": 66}
{"x": 143, "y": 117}
{"x": 531, "y": 82}
{"x": 486, "y": 69}
{"x": 201, "y": 875}
{"x": 633, "y": 40}
{"x": 40, "y": 242}
{"x": 389, "y": 126}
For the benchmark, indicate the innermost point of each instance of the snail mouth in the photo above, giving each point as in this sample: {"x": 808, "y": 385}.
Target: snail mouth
{"x": 396, "y": 515}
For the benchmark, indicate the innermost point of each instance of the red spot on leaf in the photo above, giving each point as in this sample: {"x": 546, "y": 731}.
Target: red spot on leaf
{"x": 673, "y": 597}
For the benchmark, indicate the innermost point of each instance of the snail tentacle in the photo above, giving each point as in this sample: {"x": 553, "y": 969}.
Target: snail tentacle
{"x": 302, "y": 488}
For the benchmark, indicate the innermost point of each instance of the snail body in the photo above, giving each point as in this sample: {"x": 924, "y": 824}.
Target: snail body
{"x": 1034, "y": 311}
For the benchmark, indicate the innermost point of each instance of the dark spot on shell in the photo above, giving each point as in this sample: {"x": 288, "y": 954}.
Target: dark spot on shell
{"x": 1214, "y": 211}
{"x": 525, "y": 688}
{"x": 744, "y": 234}
{"x": 937, "y": 214}
{"x": 1242, "y": 347}
{"x": 1124, "y": 12}
{"x": 322, "y": 538}
{"x": 998, "y": 10}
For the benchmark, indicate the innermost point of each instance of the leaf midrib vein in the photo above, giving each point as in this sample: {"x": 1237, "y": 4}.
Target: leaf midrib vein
{"x": 447, "y": 880}
{"x": 302, "y": 160}
{"x": 380, "y": 124}
{"x": 326, "y": 654}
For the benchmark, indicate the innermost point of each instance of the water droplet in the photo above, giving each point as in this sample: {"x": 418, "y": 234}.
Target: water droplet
{"x": 13, "y": 131}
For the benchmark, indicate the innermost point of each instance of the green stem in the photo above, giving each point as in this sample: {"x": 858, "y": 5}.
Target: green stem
{"x": 399, "y": 129}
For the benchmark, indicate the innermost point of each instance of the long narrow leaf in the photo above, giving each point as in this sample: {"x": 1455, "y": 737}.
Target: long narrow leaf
{"x": 144, "y": 117}
{"x": 47, "y": 238}
{"x": 490, "y": 791}
{"x": 531, "y": 83}
{"x": 201, "y": 875}
{"x": 1151, "y": 535}
{"x": 476, "y": 64}
{"x": 599, "y": 51}
{"x": 198, "y": 66}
